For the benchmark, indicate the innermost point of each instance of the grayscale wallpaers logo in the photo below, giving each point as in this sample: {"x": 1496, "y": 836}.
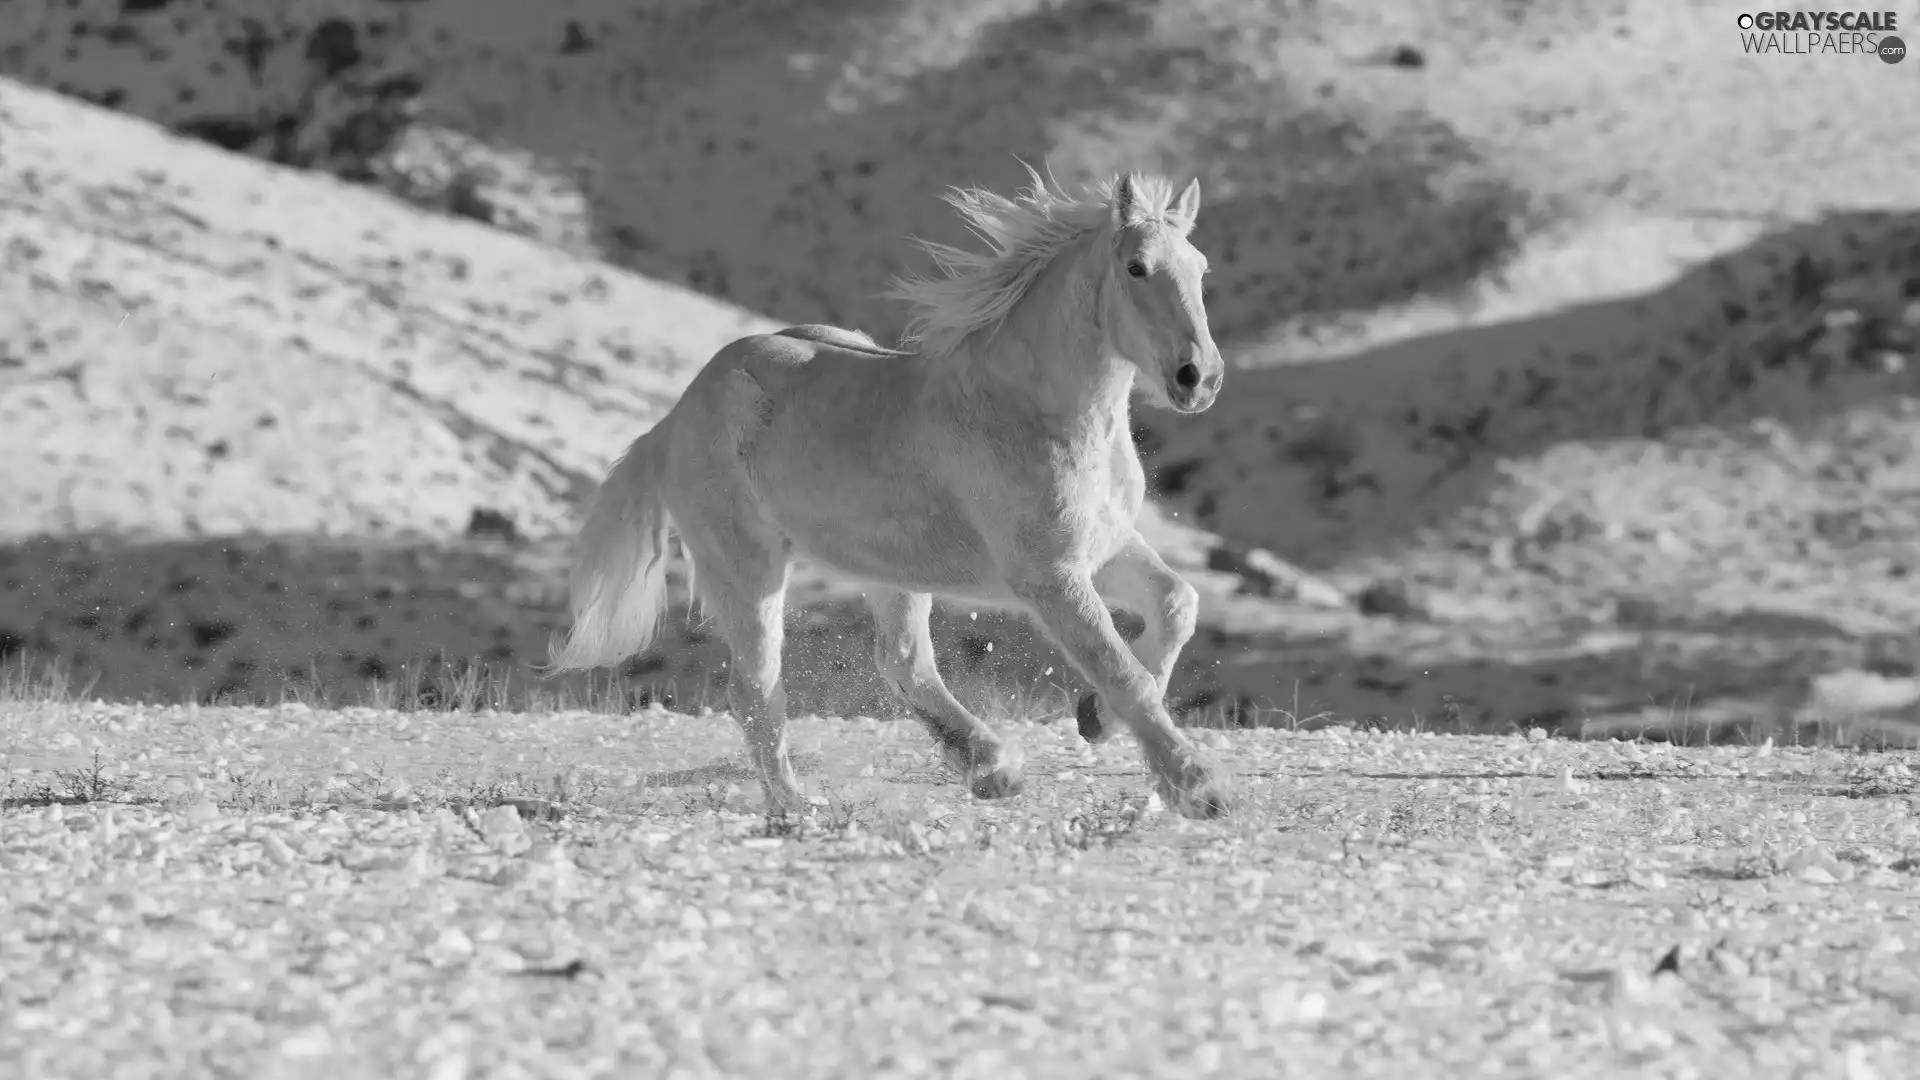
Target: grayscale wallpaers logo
{"x": 1805, "y": 33}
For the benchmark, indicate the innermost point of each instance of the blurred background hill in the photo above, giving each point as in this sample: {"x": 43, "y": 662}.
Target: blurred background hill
{"x": 1573, "y": 349}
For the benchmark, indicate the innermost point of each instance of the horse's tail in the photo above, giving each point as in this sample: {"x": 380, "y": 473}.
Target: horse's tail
{"x": 618, "y": 586}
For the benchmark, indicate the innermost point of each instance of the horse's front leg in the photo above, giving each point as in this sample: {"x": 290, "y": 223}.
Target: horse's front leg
{"x": 1137, "y": 579}
{"x": 1070, "y": 610}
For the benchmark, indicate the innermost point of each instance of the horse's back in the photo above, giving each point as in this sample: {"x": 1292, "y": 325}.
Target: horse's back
{"x": 773, "y": 358}
{"x": 837, "y": 336}
{"x": 807, "y": 360}
{"x": 802, "y": 376}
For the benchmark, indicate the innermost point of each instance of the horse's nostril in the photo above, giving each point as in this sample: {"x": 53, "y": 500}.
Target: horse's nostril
{"x": 1187, "y": 376}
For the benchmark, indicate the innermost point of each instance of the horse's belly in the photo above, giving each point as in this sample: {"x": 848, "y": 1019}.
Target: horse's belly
{"x": 922, "y": 545}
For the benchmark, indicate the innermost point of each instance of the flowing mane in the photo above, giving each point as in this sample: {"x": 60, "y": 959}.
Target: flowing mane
{"x": 1022, "y": 234}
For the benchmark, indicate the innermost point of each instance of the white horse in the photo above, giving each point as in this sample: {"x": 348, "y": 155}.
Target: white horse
{"x": 990, "y": 461}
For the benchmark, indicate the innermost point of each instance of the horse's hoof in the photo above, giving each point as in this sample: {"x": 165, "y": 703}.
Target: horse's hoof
{"x": 1208, "y": 803}
{"x": 1196, "y": 793}
{"x": 1087, "y": 716}
{"x": 788, "y": 802}
{"x": 1001, "y": 783}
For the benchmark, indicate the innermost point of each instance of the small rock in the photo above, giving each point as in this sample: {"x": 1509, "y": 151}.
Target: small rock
{"x": 308, "y": 1043}
{"x": 451, "y": 1066}
{"x": 535, "y": 809}
{"x": 448, "y": 945}
{"x": 334, "y": 46}
{"x": 1627, "y": 986}
{"x": 1556, "y": 518}
{"x": 1402, "y": 56}
{"x": 1269, "y": 575}
{"x": 1892, "y": 655}
{"x": 1292, "y": 582}
{"x": 1730, "y": 963}
{"x": 575, "y": 40}
{"x": 1854, "y": 1063}
{"x": 1816, "y": 864}
{"x": 277, "y": 850}
{"x": 1770, "y": 433}
{"x": 1636, "y": 611}
{"x": 485, "y": 522}
{"x": 366, "y": 860}
{"x": 913, "y": 837}
{"x": 1669, "y": 964}
{"x": 1390, "y": 598}
{"x": 1501, "y": 554}
{"x": 1292, "y": 1004}
{"x": 503, "y": 830}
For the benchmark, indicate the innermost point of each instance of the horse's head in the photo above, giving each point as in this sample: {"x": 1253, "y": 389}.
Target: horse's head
{"x": 1153, "y": 313}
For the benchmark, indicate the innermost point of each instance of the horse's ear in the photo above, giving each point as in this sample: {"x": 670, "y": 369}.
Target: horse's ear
{"x": 1123, "y": 201}
{"x": 1187, "y": 206}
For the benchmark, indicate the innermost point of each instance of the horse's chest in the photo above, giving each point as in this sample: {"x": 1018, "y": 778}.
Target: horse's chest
{"x": 1105, "y": 488}
{"x": 1113, "y": 470}
{"x": 1130, "y": 480}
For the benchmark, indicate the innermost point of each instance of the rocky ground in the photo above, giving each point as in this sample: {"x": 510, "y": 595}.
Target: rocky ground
{"x": 294, "y": 892}
{"x": 1583, "y": 405}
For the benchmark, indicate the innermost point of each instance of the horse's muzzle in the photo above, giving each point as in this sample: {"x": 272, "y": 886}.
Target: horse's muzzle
{"x": 1190, "y": 390}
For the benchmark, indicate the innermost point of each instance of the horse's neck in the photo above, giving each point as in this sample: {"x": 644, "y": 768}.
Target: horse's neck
{"x": 1049, "y": 355}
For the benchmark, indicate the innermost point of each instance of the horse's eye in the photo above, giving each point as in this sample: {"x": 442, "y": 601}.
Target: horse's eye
{"x": 1134, "y": 269}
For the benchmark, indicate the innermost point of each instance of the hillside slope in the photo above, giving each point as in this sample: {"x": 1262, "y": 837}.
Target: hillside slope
{"x": 246, "y": 408}
{"x": 198, "y": 344}
{"x": 779, "y": 152}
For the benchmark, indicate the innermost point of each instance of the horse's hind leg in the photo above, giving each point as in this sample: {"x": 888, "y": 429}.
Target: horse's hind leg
{"x": 1139, "y": 580}
{"x": 903, "y": 651}
{"x": 743, "y": 580}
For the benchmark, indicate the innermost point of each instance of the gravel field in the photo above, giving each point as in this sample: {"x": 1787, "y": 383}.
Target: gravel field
{"x": 287, "y": 893}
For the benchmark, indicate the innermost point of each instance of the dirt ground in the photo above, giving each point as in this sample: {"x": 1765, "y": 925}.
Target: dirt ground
{"x": 1573, "y": 348}
{"x": 289, "y": 892}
